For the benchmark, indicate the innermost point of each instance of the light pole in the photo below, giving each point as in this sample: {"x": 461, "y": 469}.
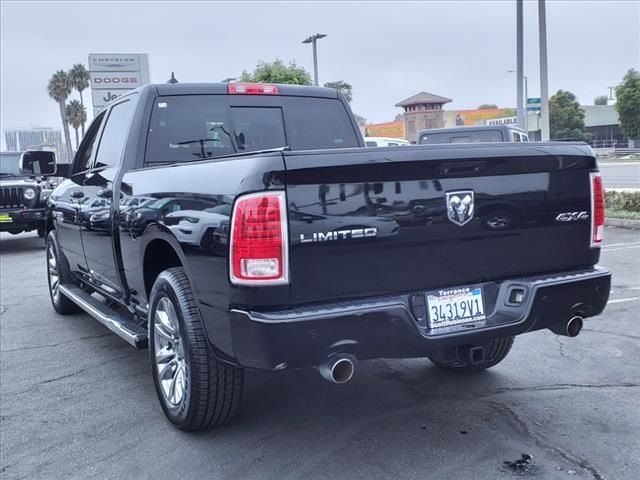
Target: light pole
{"x": 526, "y": 96}
{"x": 544, "y": 76}
{"x": 519, "y": 62}
{"x": 312, "y": 39}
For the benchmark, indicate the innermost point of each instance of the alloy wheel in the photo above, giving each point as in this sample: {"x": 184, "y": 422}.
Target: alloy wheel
{"x": 171, "y": 365}
{"x": 52, "y": 270}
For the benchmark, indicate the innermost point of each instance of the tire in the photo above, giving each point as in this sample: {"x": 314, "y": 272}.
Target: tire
{"x": 495, "y": 351}
{"x": 198, "y": 391}
{"x": 58, "y": 272}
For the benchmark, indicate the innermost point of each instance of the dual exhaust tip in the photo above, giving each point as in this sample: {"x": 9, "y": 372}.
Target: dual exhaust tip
{"x": 570, "y": 328}
{"x": 338, "y": 368}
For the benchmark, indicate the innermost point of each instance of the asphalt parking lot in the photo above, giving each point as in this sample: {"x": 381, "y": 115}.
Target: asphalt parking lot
{"x": 76, "y": 402}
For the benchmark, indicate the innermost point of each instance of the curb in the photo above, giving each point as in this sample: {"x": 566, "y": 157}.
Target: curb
{"x": 622, "y": 223}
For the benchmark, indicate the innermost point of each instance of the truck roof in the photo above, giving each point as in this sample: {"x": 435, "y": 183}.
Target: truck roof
{"x": 221, "y": 89}
{"x": 468, "y": 128}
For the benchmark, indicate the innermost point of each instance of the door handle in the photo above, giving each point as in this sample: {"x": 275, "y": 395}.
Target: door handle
{"x": 77, "y": 194}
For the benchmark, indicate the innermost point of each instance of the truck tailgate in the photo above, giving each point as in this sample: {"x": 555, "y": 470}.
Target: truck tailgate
{"x": 366, "y": 222}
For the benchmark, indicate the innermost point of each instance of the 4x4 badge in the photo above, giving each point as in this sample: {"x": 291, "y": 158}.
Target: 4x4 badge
{"x": 460, "y": 206}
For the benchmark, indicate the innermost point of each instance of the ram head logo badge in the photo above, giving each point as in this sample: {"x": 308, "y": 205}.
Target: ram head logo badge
{"x": 460, "y": 206}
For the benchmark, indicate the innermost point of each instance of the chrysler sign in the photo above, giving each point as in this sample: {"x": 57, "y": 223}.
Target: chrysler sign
{"x": 113, "y": 74}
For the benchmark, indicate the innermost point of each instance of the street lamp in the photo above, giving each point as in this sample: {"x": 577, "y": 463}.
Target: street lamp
{"x": 312, "y": 39}
{"x": 526, "y": 96}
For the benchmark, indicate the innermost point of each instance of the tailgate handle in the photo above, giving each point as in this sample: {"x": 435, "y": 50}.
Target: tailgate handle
{"x": 460, "y": 169}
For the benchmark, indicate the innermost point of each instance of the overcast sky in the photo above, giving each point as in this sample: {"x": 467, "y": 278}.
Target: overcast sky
{"x": 387, "y": 50}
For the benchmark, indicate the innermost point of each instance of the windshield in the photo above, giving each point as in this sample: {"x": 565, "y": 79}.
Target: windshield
{"x": 9, "y": 163}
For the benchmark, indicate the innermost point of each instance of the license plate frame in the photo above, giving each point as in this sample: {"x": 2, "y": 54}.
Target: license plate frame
{"x": 6, "y": 218}
{"x": 455, "y": 306}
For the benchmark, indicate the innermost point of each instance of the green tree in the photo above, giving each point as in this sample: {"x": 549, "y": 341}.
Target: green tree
{"x": 399, "y": 117}
{"x": 628, "y": 104}
{"x": 76, "y": 116}
{"x": 79, "y": 77}
{"x": 601, "y": 100}
{"x": 566, "y": 117}
{"x": 487, "y": 105}
{"x": 278, "y": 72}
{"x": 59, "y": 89}
{"x": 343, "y": 87}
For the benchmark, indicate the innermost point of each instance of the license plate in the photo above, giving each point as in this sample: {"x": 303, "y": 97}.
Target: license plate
{"x": 455, "y": 306}
{"x": 5, "y": 218}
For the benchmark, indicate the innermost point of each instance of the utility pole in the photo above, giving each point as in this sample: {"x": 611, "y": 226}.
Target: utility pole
{"x": 611, "y": 93}
{"x": 544, "y": 75}
{"x": 520, "y": 63}
{"x": 312, "y": 39}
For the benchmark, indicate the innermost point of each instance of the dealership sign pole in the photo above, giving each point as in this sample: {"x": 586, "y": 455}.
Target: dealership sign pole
{"x": 114, "y": 74}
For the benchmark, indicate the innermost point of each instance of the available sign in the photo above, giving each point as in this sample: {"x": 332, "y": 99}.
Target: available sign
{"x": 502, "y": 121}
{"x": 113, "y": 74}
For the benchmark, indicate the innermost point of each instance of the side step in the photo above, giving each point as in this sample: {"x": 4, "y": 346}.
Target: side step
{"x": 133, "y": 333}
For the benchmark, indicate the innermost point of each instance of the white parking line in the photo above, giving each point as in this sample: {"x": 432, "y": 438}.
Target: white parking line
{"x": 620, "y": 244}
{"x": 619, "y": 248}
{"x": 621, "y": 300}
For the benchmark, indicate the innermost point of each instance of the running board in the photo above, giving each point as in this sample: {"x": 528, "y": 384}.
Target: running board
{"x": 134, "y": 334}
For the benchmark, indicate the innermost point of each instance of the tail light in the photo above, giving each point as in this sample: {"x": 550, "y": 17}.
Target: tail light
{"x": 258, "y": 250}
{"x": 597, "y": 210}
{"x": 252, "y": 89}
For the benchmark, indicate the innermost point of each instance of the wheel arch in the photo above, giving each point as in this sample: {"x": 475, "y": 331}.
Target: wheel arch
{"x": 161, "y": 251}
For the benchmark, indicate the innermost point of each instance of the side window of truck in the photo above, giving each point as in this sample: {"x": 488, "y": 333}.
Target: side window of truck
{"x": 87, "y": 147}
{"x": 114, "y": 135}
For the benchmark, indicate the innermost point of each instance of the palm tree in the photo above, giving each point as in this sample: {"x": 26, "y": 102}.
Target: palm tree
{"x": 76, "y": 116}
{"x": 79, "y": 77}
{"x": 59, "y": 89}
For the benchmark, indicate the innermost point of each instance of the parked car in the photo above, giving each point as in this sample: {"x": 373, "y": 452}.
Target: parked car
{"x": 385, "y": 142}
{"x": 475, "y": 134}
{"x": 311, "y": 268}
{"x": 24, "y": 190}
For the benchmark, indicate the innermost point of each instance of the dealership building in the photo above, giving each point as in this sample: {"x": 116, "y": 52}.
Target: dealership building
{"x": 34, "y": 138}
{"x": 426, "y": 110}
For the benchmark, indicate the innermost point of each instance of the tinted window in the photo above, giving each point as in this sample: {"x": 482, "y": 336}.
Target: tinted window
{"x": 371, "y": 144}
{"x": 88, "y": 144}
{"x": 258, "y": 128}
{"x": 189, "y": 127}
{"x": 318, "y": 123}
{"x": 114, "y": 135}
{"x": 516, "y": 136}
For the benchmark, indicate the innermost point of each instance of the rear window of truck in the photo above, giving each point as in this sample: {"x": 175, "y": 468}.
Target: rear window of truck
{"x": 192, "y": 127}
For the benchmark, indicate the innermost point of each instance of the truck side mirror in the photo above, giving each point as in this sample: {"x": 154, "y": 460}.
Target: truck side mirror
{"x": 38, "y": 163}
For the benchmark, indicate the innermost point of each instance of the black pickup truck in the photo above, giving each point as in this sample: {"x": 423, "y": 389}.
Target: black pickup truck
{"x": 242, "y": 226}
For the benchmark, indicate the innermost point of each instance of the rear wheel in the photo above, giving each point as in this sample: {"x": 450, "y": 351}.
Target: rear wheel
{"x": 196, "y": 390}
{"x": 494, "y": 352}
{"x": 58, "y": 272}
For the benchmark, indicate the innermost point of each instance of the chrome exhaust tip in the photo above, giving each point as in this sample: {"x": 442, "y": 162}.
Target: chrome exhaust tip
{"x": 570, "y": 328}
{"x": 338, "y": 368}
